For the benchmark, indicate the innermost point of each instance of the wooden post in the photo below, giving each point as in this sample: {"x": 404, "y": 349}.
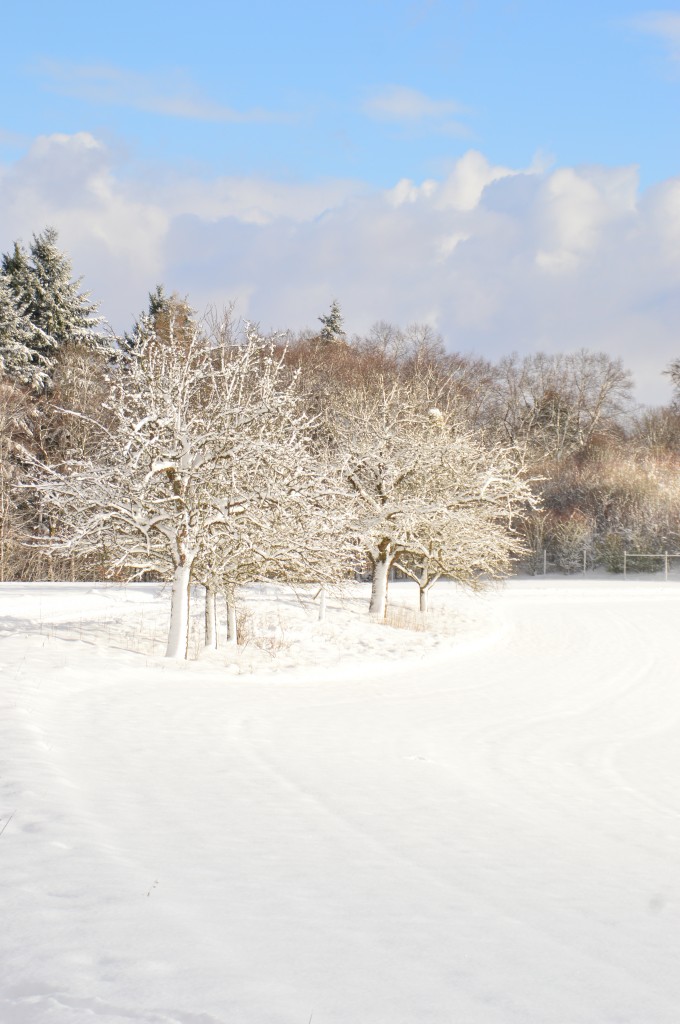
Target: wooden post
{"x": 321, "y": 594}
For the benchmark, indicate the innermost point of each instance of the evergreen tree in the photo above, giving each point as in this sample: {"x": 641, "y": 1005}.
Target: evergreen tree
{"x": 19, "y": 276}
{"x": 159, "y": 302}
{"x": 15, "y": 267}
{"x": 18, "y": 359}
{"x": 56, "y": 305}
{"x": 165, "y": 315}
{"x": 332, "y": 329}
{"x": 40, "y": 281}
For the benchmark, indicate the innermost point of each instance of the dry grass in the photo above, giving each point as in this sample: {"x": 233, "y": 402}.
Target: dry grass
{"x": 268, "y": 634}
{"x": 406, "y": 618}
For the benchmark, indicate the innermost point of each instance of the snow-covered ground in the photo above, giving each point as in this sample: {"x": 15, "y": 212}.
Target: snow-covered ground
{"x": 348, "y": 824}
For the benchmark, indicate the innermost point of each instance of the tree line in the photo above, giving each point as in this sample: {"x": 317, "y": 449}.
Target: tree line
{"x": 198, "y": 451}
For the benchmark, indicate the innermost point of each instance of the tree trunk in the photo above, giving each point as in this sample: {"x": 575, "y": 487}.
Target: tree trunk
{"x": 178, "y": 634}
{"x": 230, "y": 597}
{"x": 425, "y": 585}
{"x": 381, "y": 572}
{"x": 211, "y": 618}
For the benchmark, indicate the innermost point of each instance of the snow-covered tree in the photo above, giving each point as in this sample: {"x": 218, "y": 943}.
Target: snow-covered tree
{"x": 289, "y": 519}
{"x": 16, "y": 413}
{"x": 150, "y": 321}
{"x": 289, "y": 515}
{"x": 51, "y": 301}
{"x": 332, "y": 328}
{"x": 55, "y": 304}
{"x": 473, "y": 495}
{"x": 204, "y": 465}
{"x": 19, "y": 360}
{"x": 430, "y": 495}
{"x": 16, "y": 267}
{"x": 556, "y": 404}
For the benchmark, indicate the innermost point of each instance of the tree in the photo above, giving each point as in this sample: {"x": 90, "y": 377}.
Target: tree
{"x": 204, "y": 464}
{"x": 673, "y": 371}
{"x": 458, "y": 385}
{"x": 657, "y": 430}
{"x": 293, "y": 526}
{"x": 19, "y": 360}
{"x": 429, "y": 494}
{"x": 290, "y": 516}
{"x": 153, "y": 320}
{"x": 473, "y": 496}
{"x": 332, "y": 325}
{"x": 16, "y": 415}
{"x": 16, "y": 268}
{"x": 50, "y": 300}
{"x": 620, "y": 496}
{"x": 556, "y": 405}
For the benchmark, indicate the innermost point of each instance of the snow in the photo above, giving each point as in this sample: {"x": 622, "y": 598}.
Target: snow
{"x": 478, "y": 825}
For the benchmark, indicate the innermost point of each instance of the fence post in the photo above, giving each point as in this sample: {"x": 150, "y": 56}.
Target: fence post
{"x": 624, "y": 565}
{"x": 545, "y": 561}
{"x": 584, "y": 561}
{"x": 665, "y": 565}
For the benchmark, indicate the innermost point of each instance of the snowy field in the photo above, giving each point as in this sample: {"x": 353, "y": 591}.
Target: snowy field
{"x": 347, "y": 823}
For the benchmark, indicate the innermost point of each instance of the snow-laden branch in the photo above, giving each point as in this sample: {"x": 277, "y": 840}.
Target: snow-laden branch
{"x": 207, "y": 470}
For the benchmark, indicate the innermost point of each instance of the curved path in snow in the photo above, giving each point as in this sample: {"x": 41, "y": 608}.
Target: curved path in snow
{"x": 489, "y": 837}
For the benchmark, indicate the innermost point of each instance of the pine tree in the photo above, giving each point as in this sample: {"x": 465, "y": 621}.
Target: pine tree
{"x": 159, "y": 302}
{"x": 18, "y": 358}
{"x": 162, "y": 313}
{"x": 15, "y": 267}
{"x": 40, "y": 281}
{"x": 332, "y": 329}
{"x": 56, "y": 306}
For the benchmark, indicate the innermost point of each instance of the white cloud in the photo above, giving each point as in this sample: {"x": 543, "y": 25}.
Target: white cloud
{"x": 170, "y": 95}
{"x": 462, "y": 189}
{"x": 665, "y": 25}
{"x": 466, "y": 183}
{"x": 574, "y": 208}
{"x": 255, "y": 200}
{"x": 495, "y": 258}
{"x": 406, "y": 191}
{"x": 68, "y": 179}
{"x": 119, "y": 230}
{"x": 399, "y": 103}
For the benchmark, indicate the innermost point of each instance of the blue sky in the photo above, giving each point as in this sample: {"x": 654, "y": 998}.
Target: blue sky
{"x": 374, "y": 90}
{"x": 218, "y": 145}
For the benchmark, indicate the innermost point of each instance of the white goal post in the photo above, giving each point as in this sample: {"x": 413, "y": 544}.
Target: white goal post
{"x": 629, "y": 554}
